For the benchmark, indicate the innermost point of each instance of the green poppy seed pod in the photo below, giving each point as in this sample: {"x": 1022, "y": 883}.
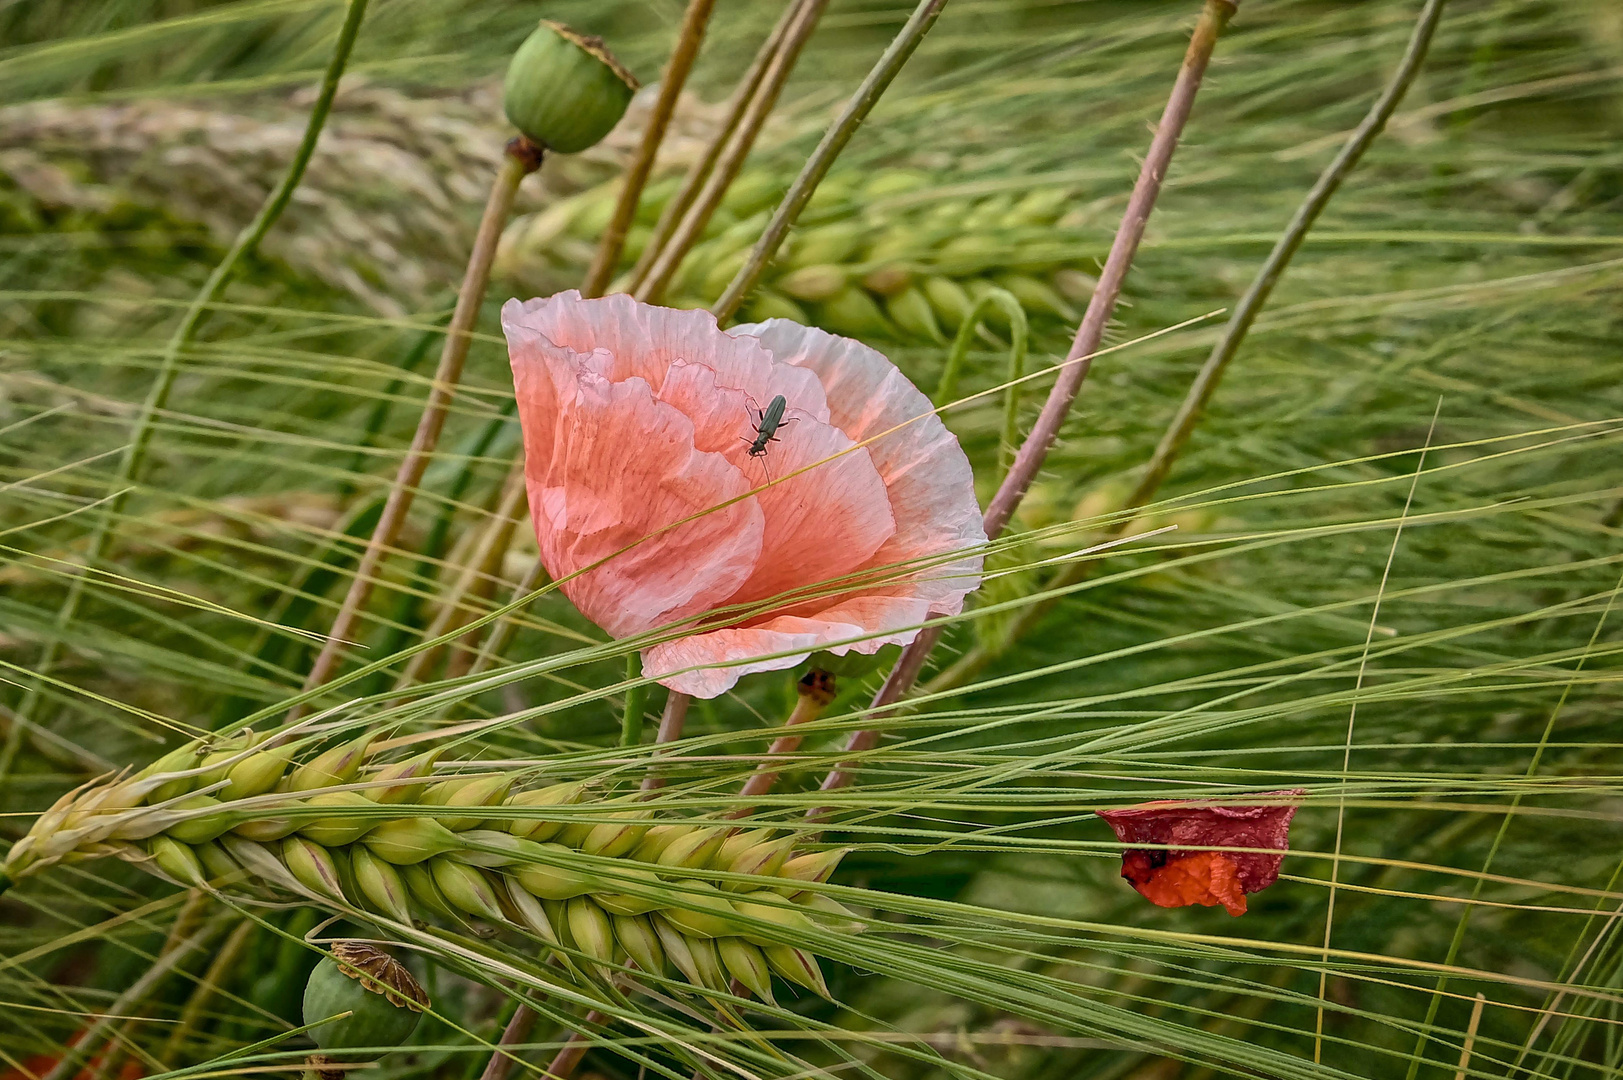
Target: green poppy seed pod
{"x": 798, "y": 967}
{"x": 564, "y": 90}
{"x": 313, "y": 866}
{"x": 703, "y": 912}
{"x": 420, "y": 884}
{"x": 637, "y": 937}
{"x": 380, "y": 884}
{"x": 750, "y": 906}
{"x": 693, "y": 851}
{"x": 589, "y": 926}
{"x": 381, "y": 997}
{"x": 203, "y": 827}
{"x": 257, "y": 773}
{"x": 814, "y": 867}
{"x": 410, "y": 840}
{"x": 466, "y": 888}
{"x": 479, "y": 791}
{"x": 408, "y": 779}
{"x": 530, "y": 912}
{"x": 339, "y": 829}
{"x": 340, "y": 765}
{"x": 177, "y": 860}
{"x": 747, "y": 964}
{"x": 216, "y": 863}
{"x": 554, "y": 882}
{"x": 556, "y": 795}
{"x": 678, "y": 948}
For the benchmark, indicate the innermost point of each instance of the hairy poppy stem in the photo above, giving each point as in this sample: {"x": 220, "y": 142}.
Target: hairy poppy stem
{"x": 135, "y": 454}
{"x": 1089, "y": 334}
{"x": 521, "y": 158}
{"x": 1251, "y": 304}
{"x": 613, "y": 240}
{"x": 670, "y": 729}
{"x": 517, "y": 1030}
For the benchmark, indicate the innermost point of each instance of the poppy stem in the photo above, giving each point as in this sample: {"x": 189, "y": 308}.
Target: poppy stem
{"x": 1211, "y": 373}
{"x": 1029, "y": 459}
{"x": 636, "y": 699}
{"x": 650, "y": 286}
{"x": 816, "y": 689}
{"x": 517, "y": 1030}
{"x": 521, "y": 158}
{"x": 839, "y": 133}
{"x": 612, "y": 242}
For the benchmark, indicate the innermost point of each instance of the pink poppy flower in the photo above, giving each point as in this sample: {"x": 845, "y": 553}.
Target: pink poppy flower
{"x": 636, "y": 417}
{"x": 1187, "y": 874}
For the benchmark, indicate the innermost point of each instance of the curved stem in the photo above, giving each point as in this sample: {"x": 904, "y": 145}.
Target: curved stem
{"x": 822, "y": 159}
{"x": 815, "y": 689}
{"x": 1089, "y": 334}
{"x": 522, "y": 158}
{"x": 613, "y": 239}
{"x": 946, "y": 390}
{"x": 1245, "y": 313}
{"x": 157, "y": 398}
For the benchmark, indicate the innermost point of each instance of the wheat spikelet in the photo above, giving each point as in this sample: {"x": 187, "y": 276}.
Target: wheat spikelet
{"x": 241, "y": 813}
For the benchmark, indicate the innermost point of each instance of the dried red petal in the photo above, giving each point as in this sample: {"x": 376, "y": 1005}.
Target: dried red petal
{"x": 1207, "y": 878}
{"x": 1190, "y": 873}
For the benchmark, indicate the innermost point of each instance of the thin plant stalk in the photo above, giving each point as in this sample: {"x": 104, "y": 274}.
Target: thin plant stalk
{"x": 219, "y": 972}
{"x": 761, "y": 103}
{"x": 815, "y": 690}
{"x": 834, "y": 140}
{"x": 671, "y": 723}
{"x": 74, "y": 1055}
{"x": 946, "y": 390}
{"x": 636, "y": 700}
{"x": 567, "y": 1059}
{"x": 157, "y": 399}
{"x": 517, "y": 1030}
{"x": 521, "y": 158}
{"x": 612, "y": 242}
{"x": 477, "y": 575}
{"x": 502, "y": 632}
{"x": 700, "y": 171}
{"x": 1029, "y": 459}
{"x": 1239, "y": 325}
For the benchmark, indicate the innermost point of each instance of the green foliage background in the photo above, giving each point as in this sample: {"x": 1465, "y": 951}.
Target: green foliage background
{"x": 1462, "y": 293}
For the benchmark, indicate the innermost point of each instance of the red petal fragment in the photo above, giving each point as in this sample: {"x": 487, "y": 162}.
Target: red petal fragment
{"x": 1207, "y": 878}
{"x": 1189, "y": 827}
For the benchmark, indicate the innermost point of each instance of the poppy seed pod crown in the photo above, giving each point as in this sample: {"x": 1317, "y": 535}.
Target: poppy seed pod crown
{"x": 564, "y": 90}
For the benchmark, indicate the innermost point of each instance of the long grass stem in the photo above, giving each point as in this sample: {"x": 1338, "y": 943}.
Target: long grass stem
{"x": 157, "y": 399}
{"x": 1256, "y": 297}
{"x": 822, "y": 158}
{"x": 700, "y": 171}
{"x": 522, "y": 158}
{"x": 610, "y": 244}
{"x": 1029, "y": 459}
{"x": 731, "y": 159}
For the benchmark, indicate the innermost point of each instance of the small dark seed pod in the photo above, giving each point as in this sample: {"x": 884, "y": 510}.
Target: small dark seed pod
{"x": 564, "y": 90}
